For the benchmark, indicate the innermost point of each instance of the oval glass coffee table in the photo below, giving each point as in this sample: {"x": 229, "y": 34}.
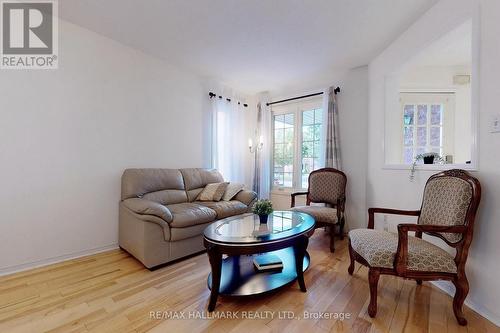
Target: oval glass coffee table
{"x": 242, "y": 238}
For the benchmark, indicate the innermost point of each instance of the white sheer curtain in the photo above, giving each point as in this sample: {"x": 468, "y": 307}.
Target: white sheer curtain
{"x": 263, "y": 168}
{"x": 228, "y": 141}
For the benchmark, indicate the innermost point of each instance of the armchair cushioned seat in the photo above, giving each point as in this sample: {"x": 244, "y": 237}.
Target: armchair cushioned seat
{"x": 378, "y": 248}
{"x": 190, "y": 214}
{"x": 320, "y": 214}
{"x": 225, "y": 209}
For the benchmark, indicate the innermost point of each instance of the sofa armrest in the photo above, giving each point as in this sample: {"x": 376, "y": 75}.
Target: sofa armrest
{"x": 246, "y": 197}
{"x": 147, "y": 207}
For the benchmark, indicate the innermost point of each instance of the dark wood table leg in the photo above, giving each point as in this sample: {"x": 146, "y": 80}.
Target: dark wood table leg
{"x": 215, "y": 259}
{"x": 300, "y": 251}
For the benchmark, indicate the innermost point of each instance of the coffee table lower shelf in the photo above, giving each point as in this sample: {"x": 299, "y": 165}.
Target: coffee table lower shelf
{"x": 239, "y": 278}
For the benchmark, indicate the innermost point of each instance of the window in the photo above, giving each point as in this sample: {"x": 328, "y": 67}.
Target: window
{"x": 426, "y": 118}
{"x": 423, "y": 130}
{"x": 296, "y": 140}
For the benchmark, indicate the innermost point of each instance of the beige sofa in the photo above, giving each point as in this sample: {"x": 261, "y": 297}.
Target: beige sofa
{"x": 160, "y": 219}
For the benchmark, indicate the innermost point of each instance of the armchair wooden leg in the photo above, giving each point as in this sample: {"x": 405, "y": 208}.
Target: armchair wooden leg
{"x": 341, "y": 230}
{"x": 419, "y": 282}
{"x": 462, "y": 289}
{"x": 373, "y": 275}
{"x": 351, "y": 257}
{"x": 332, "y": 238}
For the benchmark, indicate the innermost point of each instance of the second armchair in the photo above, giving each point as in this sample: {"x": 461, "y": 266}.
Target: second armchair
{"x": 326, "y": 186}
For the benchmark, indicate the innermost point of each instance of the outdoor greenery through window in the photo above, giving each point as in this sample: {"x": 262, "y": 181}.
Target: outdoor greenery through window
{"x": 297, "y": 138}
{"x": 284, "y": 126}
{"x": 311, "y": 138}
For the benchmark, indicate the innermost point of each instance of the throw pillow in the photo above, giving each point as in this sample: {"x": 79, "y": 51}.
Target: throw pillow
{"x": 213, "y": 192}
{"x": 231, "y": 191}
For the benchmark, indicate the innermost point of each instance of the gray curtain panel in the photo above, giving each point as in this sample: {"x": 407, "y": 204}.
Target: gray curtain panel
{"x": 332, "y": 157}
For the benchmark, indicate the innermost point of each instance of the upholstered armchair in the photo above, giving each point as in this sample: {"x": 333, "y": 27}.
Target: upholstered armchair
{"x": 326, "y": 186}
{"x": 448, "y": 211}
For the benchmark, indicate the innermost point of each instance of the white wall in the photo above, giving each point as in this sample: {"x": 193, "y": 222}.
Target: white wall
{"x": 353, "y": 112}
{"x": 66, "y": 136}
{"x": 353, "y": 117}
{"x": 391, "y": 188}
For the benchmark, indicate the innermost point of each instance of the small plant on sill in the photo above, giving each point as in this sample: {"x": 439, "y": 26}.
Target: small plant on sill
{"x": 428, "y": 158}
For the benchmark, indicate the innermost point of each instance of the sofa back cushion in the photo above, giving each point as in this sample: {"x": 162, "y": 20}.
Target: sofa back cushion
{"x": 195, "y": 180}
{"x": 165, "y": 186}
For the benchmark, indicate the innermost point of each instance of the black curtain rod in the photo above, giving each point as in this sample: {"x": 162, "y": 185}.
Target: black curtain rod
{"x": 336, "y": 91}
{"x": 212, "y": 95}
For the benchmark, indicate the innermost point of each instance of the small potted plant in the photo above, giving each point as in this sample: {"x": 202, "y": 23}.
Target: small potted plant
{"x": 428, "y": 158}
{"x": 263, "y": 208}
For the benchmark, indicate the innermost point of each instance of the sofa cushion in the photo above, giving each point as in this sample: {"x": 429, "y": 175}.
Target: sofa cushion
{"x": 379, "y": 248}
{"x": 196, "y": 179}
{"x": 247, "y": 197}
{"x": 137, "y": 182}
{"x": 189, "y": 214}
{"x": 212, "y": 192}
{"x": 225, "y": 208}
{"x": 231, "y": 191}
{"x": 167, "y": 197}
{"x": 147, "y": 207}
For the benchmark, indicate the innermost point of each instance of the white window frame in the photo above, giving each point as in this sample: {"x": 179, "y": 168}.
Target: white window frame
{"x": 296, "y": 108}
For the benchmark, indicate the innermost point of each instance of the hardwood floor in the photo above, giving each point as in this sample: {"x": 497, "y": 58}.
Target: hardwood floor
{"x": 112, "y": 292}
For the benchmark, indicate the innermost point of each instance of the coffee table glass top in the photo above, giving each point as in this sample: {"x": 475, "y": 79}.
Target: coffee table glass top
{"x": 247, "y": 228}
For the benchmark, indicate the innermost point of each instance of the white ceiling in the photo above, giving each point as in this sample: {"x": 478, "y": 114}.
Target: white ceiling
{"x": 253, "y": 45}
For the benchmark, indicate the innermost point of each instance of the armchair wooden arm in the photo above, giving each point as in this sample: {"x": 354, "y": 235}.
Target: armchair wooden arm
{"x": 293, "y": 195}
{"x": 373, "y": 211}
{"x": 401, "y": 258}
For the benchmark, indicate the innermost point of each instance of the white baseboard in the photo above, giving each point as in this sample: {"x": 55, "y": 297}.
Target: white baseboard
{"x": 55, "y": 260}
{"x": 450, "y": 290}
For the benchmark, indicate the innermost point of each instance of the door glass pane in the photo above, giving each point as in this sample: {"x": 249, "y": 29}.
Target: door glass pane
{"x": 279, "y": 135}
{"x": 307, "y": 133}
{"x": 288, "y": 179}
{"x": 310, "y": 145}
{"x": 308, "y": 117}
{"x": 283, "y": 150}
{"x": 289, "y": 120}
{"x": 279, "y": 122}
{"x": 307, "y": 149}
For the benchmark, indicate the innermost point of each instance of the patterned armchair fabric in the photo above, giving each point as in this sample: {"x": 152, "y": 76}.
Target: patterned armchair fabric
{"x": 320, "y": 214}
{"x": 378, "y": 248}
{"x": 326, "y": 187}
{"x": 450, "y": 203}
{"x": 446, "y": 201}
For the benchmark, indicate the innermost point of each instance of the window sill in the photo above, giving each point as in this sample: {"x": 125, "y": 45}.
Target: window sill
{"x": 431, "y": 167}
